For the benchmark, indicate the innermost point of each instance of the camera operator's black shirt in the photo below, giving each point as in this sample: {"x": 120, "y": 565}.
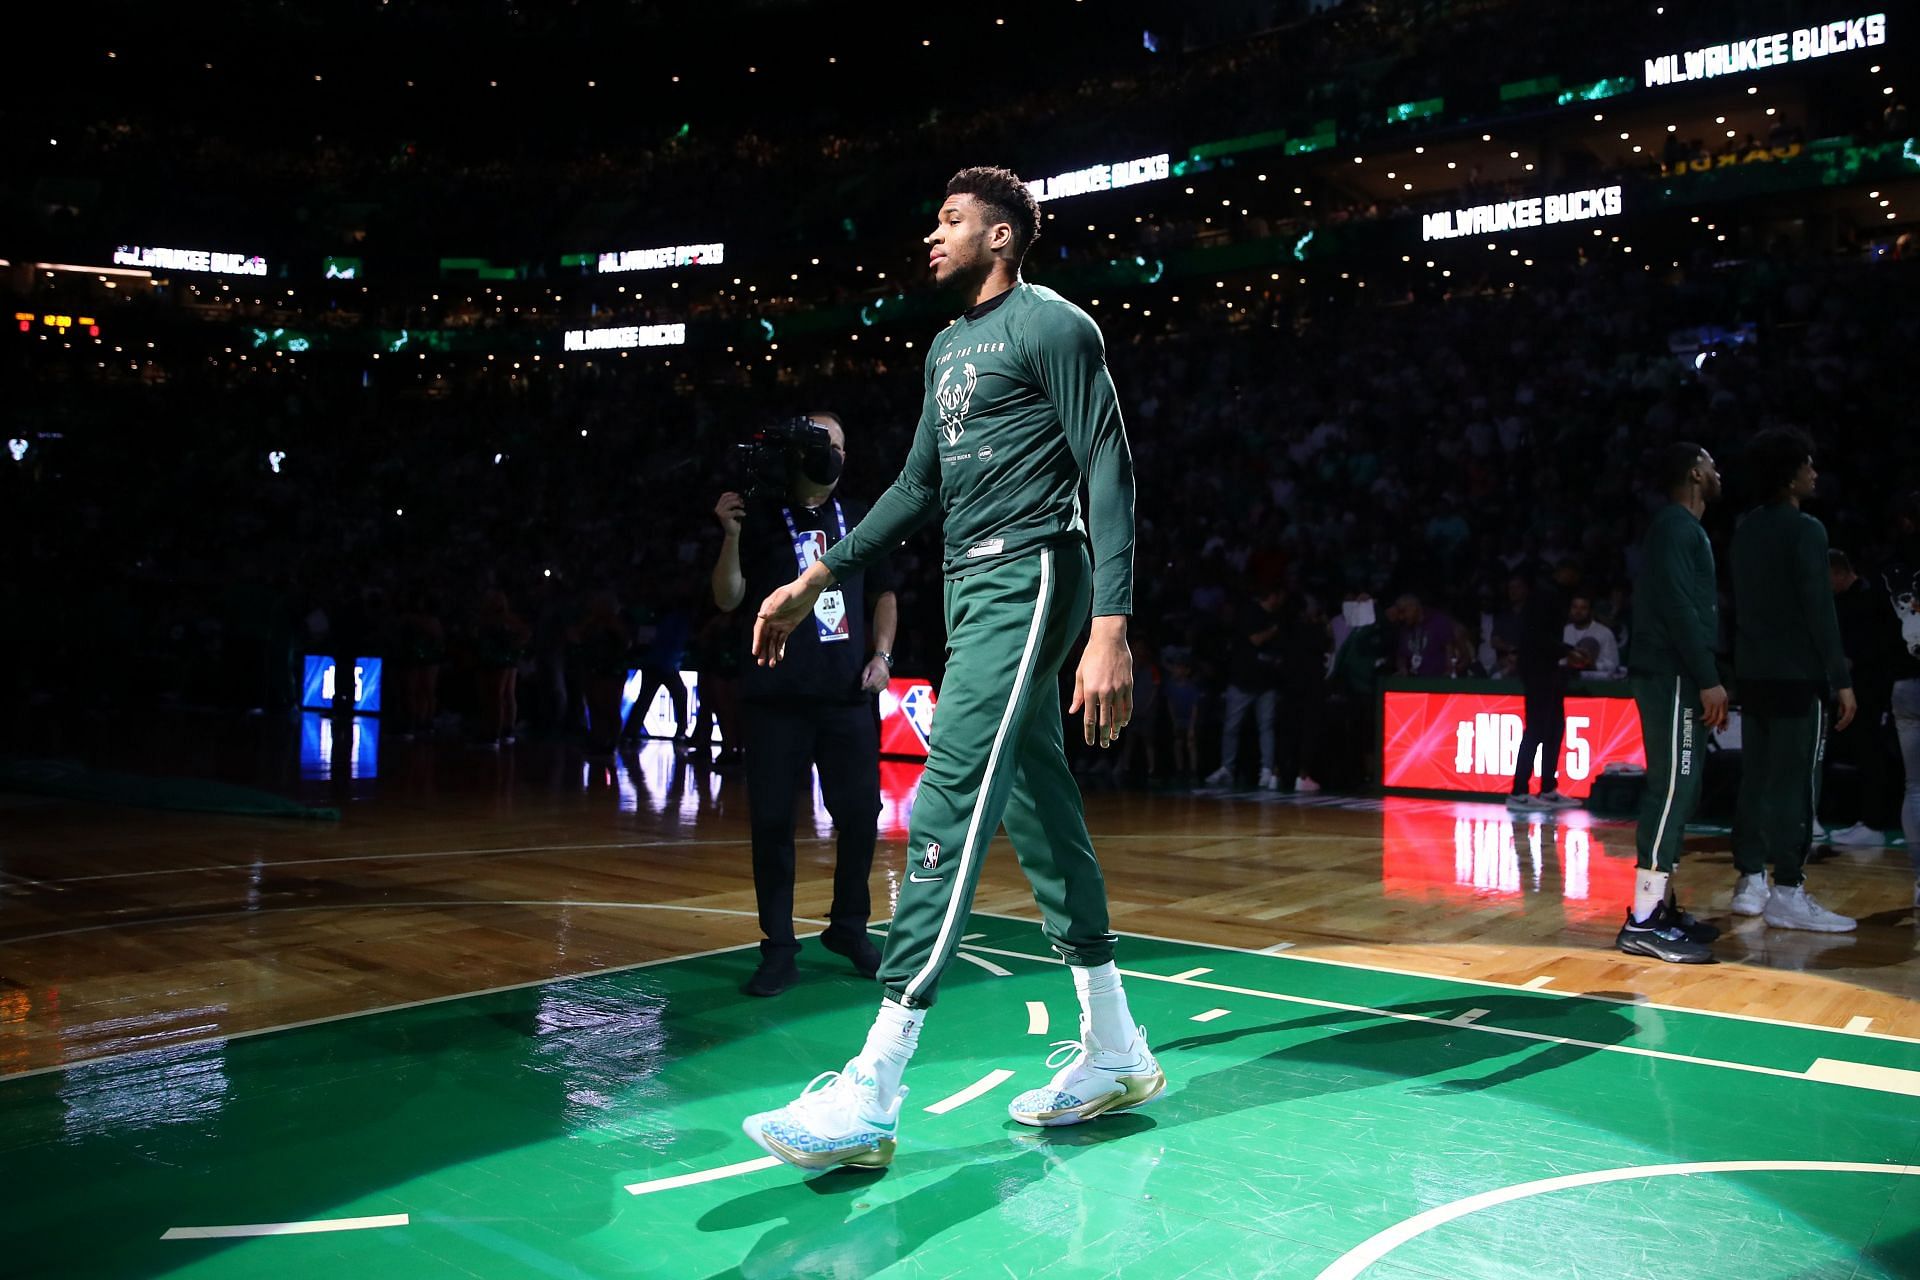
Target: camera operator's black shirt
{"x": 812, "y": 670}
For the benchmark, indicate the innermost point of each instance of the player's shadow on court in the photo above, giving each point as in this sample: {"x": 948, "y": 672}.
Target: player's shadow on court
{"x": 827, "y": 1227}
{"x": 1521, "y": 1036}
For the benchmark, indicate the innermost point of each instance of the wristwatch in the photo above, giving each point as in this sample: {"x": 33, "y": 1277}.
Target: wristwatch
{"x": 885, "y": 657}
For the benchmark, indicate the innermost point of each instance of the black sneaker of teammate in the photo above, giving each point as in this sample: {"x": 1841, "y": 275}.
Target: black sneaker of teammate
{"x": 1696, "y": 929}
{"x": 1663, "y": 938}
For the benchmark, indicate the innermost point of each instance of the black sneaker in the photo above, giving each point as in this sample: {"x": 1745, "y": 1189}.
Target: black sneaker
{"x": 1661, "y": 937}
{"x": 1696, "y": 929}
{"x": 776, "y": 973}
{"x": 857, "y": 947}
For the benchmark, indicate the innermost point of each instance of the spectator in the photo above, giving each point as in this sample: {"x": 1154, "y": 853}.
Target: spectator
{"x": 1599, "y": 658}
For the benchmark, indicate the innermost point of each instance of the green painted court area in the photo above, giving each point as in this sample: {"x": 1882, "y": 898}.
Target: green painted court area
{"x": 1322, "y": 1106}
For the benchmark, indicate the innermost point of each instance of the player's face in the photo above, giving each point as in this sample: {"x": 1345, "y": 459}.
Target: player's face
{"x": 1804, "y": 480}
{"x": 958, "y": 250}
{"x": 1709, "y": 473}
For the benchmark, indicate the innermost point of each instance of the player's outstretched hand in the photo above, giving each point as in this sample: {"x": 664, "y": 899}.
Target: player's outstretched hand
{"x": 776, "y": 618}
{"x": 1103, "y": 684}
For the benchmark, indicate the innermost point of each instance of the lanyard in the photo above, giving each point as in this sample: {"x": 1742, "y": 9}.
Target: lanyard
{"x": 793, "y": 532}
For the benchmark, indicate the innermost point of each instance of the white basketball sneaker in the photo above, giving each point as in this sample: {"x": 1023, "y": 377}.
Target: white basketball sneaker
{"x": 836, "y": 1120}
{"x": 1750, "y": 895}
{"x": 1792, "y": 907}
{"x": 1091, "y": 1081}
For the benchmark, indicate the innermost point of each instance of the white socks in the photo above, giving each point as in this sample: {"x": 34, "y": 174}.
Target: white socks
{"x": 1105, "y": 1006}
{"x": 890, "y": 1045}
{"x": 1649, "y": 891}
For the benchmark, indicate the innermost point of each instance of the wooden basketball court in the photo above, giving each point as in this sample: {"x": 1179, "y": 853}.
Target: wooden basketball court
{"x": 1396, "y": 1035}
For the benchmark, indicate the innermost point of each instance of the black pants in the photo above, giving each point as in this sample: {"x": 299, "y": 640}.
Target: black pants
{"x": 1783, "y": 737}
{"x": 782, "y": 740}
{"x": 1546, "y": 725}
{"x": 652, "y": 680}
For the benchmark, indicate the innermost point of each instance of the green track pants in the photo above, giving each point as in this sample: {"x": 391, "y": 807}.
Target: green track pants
{"x": 1781, "y": 747}
{"x": 997, "y": 752}
{"x": 1676, "y": 765}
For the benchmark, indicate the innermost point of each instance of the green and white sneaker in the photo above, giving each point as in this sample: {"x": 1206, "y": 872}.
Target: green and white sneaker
{"x": 836, "y": 1120}
{"x": 1091, "y": 1081}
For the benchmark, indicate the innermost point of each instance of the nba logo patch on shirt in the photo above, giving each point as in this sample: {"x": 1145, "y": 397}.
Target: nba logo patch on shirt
{"x": 930, "y": 861}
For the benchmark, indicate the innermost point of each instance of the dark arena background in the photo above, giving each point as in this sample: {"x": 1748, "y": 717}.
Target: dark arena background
{"x": 377, "y": 885}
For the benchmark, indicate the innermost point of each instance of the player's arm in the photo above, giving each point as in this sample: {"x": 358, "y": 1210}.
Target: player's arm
{"x": 909, "y": 502}
{"x": 1671, "y": 562}
{"x": 1070, "y": 364}
{"x": 1813, "y": 583}
{"x": 906, "y": 505}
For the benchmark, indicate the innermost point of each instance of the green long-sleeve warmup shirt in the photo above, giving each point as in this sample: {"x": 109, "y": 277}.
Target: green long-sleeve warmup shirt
{"x": 1019, "y": 409}
{"x": 1787, "y": 628}
{"x": 1676, "y": 605}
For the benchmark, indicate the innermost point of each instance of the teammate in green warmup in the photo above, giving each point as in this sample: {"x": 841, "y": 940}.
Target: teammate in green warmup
{"x": 1019, "y": 410}
{"x": 1676, "y": 685}
{"x": 1788, "y": 658}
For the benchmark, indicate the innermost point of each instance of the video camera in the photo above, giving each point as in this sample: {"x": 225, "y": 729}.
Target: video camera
{"x": 776, "y": 453}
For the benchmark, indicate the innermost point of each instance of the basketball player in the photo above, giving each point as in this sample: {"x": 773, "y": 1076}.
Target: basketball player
{"x": 1019, "y": 411}
{"x": 1787, "y": 654}
{"x": 1676, "y": 685}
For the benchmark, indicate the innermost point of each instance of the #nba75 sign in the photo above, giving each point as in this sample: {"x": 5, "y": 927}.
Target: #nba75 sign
{"x": 1471, "y": 741}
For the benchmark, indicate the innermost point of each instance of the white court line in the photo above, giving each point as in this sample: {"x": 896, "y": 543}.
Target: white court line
{"x": 241, "y": 913}
{"x": 1191, "y": 973}
{"x": 1276, "y": 949}
{"x": 1534, "y": 984}
{"x": 992, "y": 1080}
{"x": 971, "y": 937}
{"x": 1865, "y": 1075}
{"x": 1210, "y": 1015}
{"x": 284, "y": 1228}
{"x": 704, "y": 1175}
{"x": 1861, "y": 1081}
{"x": 984, "y": 963}
{"x": 1378, "y": 1246}
{"x": 1641, "y": 1001}
{"x": 1472, "y": 1016}
{"x": 1036, "y": 1018}
{"x": 1859, "y": 1024}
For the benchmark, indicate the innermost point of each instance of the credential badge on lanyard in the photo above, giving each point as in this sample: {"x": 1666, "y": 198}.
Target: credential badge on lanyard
{"x": 830, "y": 610}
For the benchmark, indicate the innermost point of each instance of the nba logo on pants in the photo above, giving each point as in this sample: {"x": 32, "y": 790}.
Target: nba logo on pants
{"x": 932, "y": 858}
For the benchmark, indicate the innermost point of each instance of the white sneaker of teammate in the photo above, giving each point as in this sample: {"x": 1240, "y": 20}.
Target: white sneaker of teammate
{"x": 1220, "y": 778}
{"x": 1819, "y": 832}
{"x": 1527, "y": 804}
{"x": 836, "y": 1120}
{"x": 1857, "y": 836}
{"x": 1305, "y": 786}
{"x": 1794, "y": 908}
{"x": 1269, "y": 780}
{"x": 1558, "y": 800}
{"x": 1750, "y": 895}
{"x": 1091, "y": 1081}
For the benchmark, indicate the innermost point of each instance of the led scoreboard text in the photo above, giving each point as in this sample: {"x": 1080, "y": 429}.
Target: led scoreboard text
{"x": 1756, "y": 53}
{"x": 680, "y": 255}
{"x": 1102, "y": 177}
{"x": 1519, "y": 215}
{"x": 223, "y": 264}
{"x": 652, "y": 335}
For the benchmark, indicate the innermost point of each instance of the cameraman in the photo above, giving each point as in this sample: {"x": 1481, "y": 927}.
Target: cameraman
{"x": 814, "y": 708}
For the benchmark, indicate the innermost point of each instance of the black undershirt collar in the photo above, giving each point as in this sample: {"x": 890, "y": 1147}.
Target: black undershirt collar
{"x": 986, "y": 308}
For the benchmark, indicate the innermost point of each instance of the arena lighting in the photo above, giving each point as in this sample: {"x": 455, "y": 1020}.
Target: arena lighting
{"x": 1518, "y": 215}
{"x": 657, "y": 335}
{"x": 98, "y": 271}
{"x": 1755, "y": 53}
{"x": 1103, "y": 177}
{"x": 683, "y": 255}
{"x": 226, "y": 264}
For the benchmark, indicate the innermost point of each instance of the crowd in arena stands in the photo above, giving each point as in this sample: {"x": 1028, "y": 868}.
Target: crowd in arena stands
{"x": 1327, "y": 494}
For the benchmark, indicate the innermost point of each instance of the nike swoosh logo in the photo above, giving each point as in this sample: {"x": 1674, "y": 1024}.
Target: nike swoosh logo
{"x": 917, "y": 878}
